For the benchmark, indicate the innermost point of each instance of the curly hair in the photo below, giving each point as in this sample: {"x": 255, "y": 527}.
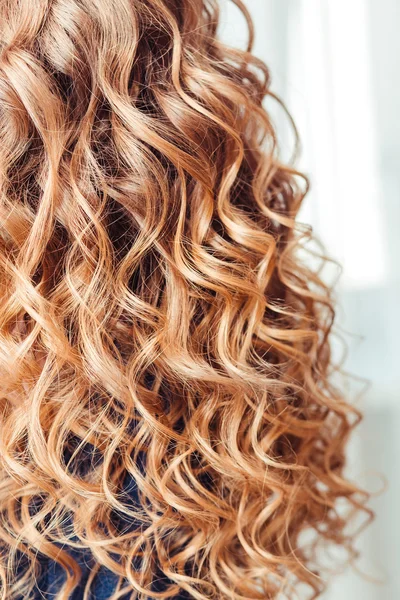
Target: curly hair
{"x": 167, "y": 403}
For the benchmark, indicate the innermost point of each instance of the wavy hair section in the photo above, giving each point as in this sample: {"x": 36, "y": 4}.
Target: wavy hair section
{"x": 166, "y": 394}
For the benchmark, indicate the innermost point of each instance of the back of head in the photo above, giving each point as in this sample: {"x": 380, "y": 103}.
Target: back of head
{"x": 166, "y": 404}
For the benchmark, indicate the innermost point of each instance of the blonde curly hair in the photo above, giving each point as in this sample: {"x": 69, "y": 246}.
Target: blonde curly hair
{"x": 166, "y": 400}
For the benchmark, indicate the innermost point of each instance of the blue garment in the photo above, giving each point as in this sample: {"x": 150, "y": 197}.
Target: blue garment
{"x": 53, "y": 576}
{"x": 102, "y": 587}
{"x": 104, "y": 583}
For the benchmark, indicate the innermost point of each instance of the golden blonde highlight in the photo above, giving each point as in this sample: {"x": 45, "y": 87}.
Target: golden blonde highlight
{"x": 159, "y": 332}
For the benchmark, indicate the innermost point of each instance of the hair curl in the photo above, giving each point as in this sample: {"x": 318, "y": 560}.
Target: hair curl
{"x": 166, "y": 400}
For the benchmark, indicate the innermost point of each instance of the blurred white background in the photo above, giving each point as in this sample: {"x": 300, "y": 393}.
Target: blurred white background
{"x": 335, "y": 65}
